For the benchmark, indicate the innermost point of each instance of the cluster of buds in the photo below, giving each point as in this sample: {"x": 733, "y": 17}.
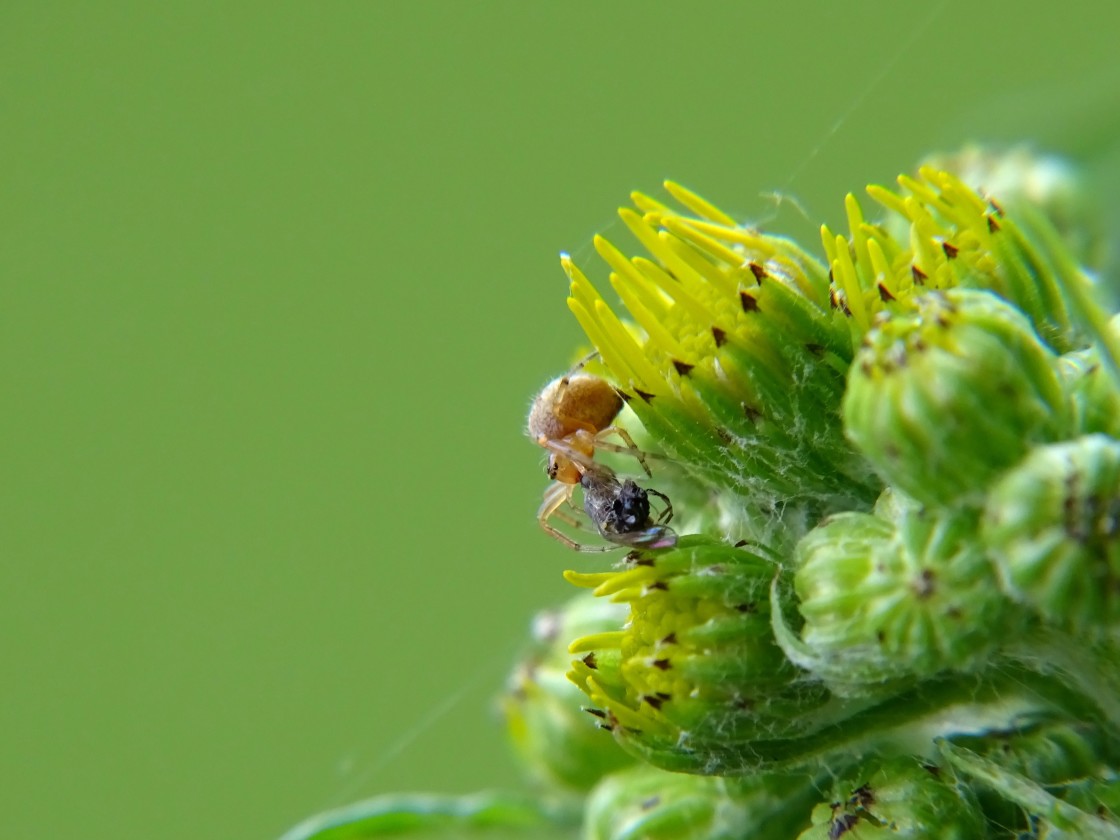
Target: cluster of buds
{"x": 898, "y": 612}
{"x": 891, "y": 603}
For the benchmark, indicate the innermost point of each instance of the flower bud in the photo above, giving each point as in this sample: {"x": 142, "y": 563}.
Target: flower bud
{"x": 1020, "y": 175}
{"x": 953, "y": 237}
{"x": 904, "y": 799}
{"x": 946, "y": 395}
{"x": 1052, "y": 527}
{"x": 559, "y": 743}
{"x": 645, "y": 802}
{"x": 733, "y": 356}
{"x": 695, "y": 676}
{"x": 888, "y": 600}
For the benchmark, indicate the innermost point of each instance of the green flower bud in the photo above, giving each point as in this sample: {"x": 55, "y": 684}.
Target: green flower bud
{"x": 695, "y": 677}
{"x": 948, "y": 394}
{"x": 645, "y": 803}
{"x": 903, "y": 798}
{"x": 558, "y": 742}
{"x": 1052, "y": 527}
{"x": 893, "y": 600}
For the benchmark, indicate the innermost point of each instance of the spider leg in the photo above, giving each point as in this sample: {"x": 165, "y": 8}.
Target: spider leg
{"x": 631, "y": 447}
{"x": 579, "y": 449}
{"x": 555, "y": 497}
{"x": 667, "y": 514}
{"x": 581, "y": 364}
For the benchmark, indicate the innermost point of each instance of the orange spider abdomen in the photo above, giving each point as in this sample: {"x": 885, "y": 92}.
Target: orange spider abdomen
{"x": 574, "y": 403}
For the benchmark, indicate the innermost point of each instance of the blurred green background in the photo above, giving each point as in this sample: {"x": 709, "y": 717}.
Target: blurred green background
{"x": 277, "y": 282}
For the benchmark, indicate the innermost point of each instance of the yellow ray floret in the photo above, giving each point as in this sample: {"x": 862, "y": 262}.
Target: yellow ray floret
{"x": 698, "y": 205}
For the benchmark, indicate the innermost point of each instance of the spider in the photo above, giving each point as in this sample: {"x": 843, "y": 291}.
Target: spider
{"x": 570, "y": 417}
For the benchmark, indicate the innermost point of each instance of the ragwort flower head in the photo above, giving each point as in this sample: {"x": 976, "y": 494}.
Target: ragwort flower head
{"x": 695, "y": 676}
{"x": 734, "y": 360}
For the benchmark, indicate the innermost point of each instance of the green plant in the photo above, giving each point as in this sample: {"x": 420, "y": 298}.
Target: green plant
{"x": 894, "y": 607}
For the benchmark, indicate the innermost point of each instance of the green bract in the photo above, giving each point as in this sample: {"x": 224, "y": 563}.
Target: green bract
{"x": 1093, "y": 394}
